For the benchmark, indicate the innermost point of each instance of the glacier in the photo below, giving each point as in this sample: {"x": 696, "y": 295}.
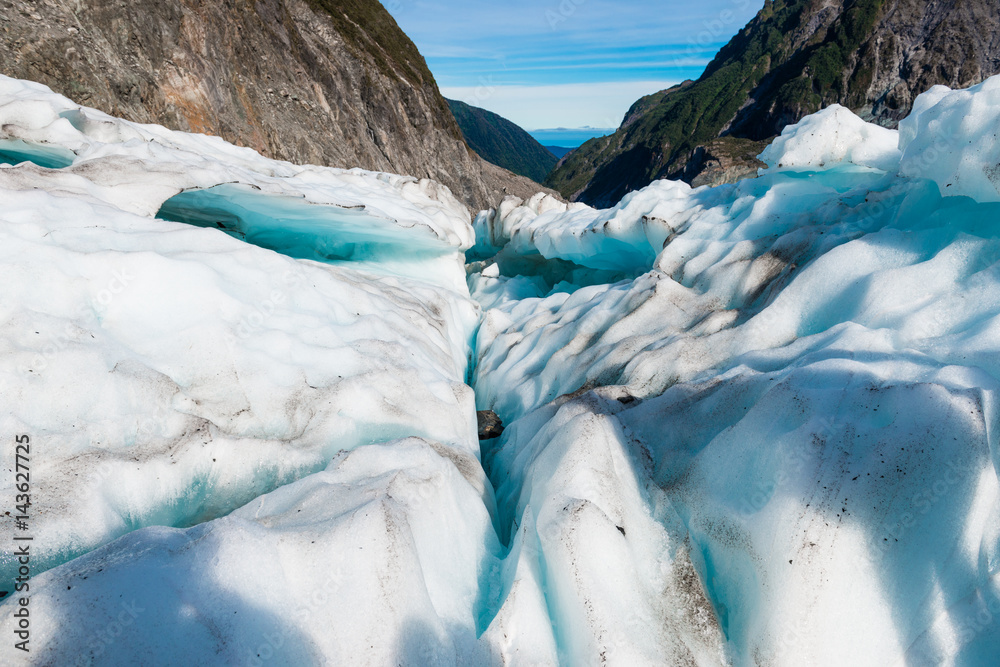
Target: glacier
{"x": 753, "y": 424}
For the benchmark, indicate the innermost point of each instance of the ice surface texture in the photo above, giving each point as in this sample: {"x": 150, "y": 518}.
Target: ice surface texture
{"x": 172, "y": 374}
{"x": 803, "y": 383}
{"x": 749, "y": 425}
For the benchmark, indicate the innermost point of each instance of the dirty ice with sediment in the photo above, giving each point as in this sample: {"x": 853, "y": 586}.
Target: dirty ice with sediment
{"x": 755, "y": 424}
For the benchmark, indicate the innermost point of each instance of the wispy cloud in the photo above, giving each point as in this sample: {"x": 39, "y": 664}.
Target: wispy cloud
{"x": 544, "y": 45}
{"x": 598, "y": 104}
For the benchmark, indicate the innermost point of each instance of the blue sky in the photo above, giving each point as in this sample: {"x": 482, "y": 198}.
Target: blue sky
{"x": 566, "y": 63}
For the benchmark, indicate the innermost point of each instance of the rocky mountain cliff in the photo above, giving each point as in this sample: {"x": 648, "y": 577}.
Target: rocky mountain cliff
{"x": 330, "y": 82}
{"x": 502, "y": 142}
{"x": 795, "y": 57}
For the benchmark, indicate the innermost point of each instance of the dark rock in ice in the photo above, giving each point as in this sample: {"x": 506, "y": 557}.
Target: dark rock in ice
{"x": 490, "y": 425}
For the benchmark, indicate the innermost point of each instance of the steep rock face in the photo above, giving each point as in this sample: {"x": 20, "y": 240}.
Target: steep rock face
{"x": 955, "y": 43}
{"x": 795, "y": 57}
{"x": 329, "y": 82}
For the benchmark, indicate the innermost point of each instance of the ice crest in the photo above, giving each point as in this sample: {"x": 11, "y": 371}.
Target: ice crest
{"x": 833, "y": 137}
{"x": 951, "y": 139}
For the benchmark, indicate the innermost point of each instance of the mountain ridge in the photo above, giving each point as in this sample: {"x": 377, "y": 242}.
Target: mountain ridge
{"x": 502, "y": 142}
{"x": 793, "y": 58}
{"x": 327, "y": 82}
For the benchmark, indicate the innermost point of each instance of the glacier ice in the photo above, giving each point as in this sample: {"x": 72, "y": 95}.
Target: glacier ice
{"x": 745, "y": 425}
{"x": 16, "y": 151}
{"x": 949, "y": 138}
{"x": 803, "y": 381}
{"x": 333, "y": 235}
{"x": 377, "y": 556}
{"x": 833, "y": 136}
{"x": 177, "y": 373}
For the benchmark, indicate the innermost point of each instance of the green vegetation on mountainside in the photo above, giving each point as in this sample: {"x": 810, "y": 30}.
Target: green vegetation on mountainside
{"x": 501, "y": 142}
{"x": 763, "y": 64}
{"x": 368, "y": 28}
